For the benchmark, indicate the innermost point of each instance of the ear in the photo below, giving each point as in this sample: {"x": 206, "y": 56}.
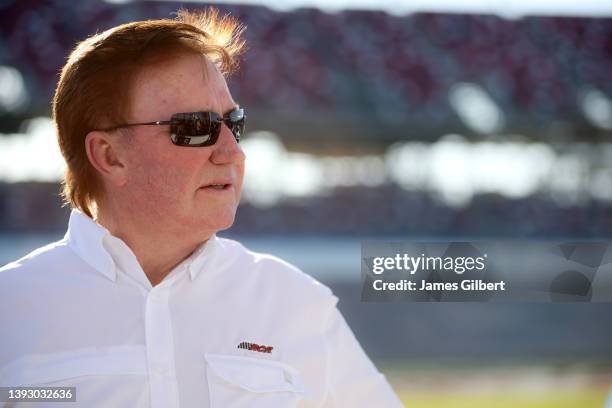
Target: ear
{"x": 106, "y": 155}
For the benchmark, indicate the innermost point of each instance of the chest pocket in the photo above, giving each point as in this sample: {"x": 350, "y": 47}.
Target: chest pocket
{"x": 66, "y": 368}
{"x": 241, "y": 382}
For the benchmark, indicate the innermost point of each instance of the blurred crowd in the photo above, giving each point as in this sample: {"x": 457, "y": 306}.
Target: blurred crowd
{"x": 388, "y": 64}
{"x": 392, "y": 211}
{"x": 357, "y": 64}
{"x": 354, "y": 212}
{"x": 534, "y": 68}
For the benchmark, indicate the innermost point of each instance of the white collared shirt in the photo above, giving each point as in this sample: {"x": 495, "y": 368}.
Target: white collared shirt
{"x": 226, "y": 328}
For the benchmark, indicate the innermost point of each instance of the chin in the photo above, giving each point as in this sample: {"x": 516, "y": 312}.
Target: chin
{"x": 219, "y": 223}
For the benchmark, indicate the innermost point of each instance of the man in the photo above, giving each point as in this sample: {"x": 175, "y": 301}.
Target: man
{"x": 141, "y": 305}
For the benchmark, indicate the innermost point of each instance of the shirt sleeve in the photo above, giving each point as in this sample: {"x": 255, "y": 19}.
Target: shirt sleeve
{"x": 353, "y": 380}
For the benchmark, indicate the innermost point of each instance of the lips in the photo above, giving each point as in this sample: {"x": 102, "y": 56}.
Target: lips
{"x": 217, "y": 185}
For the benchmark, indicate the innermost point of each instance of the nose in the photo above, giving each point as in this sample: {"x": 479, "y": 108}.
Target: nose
{"x": 227, "y": 150}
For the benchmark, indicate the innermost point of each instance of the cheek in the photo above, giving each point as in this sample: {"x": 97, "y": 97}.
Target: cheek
{"x": 159, "y": 180}
{"x": 240, "y": 178}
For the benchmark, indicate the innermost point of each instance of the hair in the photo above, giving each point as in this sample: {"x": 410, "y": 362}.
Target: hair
{"x": 93, "y": 88}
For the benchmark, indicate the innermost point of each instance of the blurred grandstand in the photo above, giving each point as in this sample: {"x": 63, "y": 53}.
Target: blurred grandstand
{"x": 355, "y": 68}
{"x": 336, "y": 87}
{"x": 367, "y": 124}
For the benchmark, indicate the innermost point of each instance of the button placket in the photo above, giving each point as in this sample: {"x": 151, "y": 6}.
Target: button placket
{"x": 160, "y": 348}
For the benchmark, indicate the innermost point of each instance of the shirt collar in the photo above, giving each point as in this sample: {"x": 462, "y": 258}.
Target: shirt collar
{"x": 103, "y": 251}
{"x": 86, "y": 238}
{"x": 202, "y": 256}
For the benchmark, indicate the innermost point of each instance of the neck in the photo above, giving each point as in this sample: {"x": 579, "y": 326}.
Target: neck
{"x": 158, "y": 252}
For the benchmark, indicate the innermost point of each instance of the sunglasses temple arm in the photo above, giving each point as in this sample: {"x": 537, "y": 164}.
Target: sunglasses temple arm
{"x": 159, "y": 122}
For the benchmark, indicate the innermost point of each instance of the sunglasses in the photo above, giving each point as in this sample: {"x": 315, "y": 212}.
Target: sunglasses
{"x": 196, "y": 129}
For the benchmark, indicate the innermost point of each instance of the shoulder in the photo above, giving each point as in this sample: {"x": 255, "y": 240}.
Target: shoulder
{"x": 273, "y": 272}
{"x": 40, "y": 260}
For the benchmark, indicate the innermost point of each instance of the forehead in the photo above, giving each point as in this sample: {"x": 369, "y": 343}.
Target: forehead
{"x": 186, "y": 83}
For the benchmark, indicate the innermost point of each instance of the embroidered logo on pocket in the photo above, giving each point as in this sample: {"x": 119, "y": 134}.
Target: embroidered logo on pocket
{"x": 255, "y": 347}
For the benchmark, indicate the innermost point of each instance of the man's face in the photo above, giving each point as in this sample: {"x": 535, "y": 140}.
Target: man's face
{"x": 172, "y": 185}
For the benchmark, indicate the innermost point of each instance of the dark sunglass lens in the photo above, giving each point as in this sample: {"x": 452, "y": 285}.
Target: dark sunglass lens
{"x": 195, "y": 128}
{"x": 203, "y": 128}
{"x": 238, "y": 129}
{"x": 235, "y": 121}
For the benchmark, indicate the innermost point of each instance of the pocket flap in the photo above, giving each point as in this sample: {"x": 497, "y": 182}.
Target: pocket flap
{"x": 254, "y": 374}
